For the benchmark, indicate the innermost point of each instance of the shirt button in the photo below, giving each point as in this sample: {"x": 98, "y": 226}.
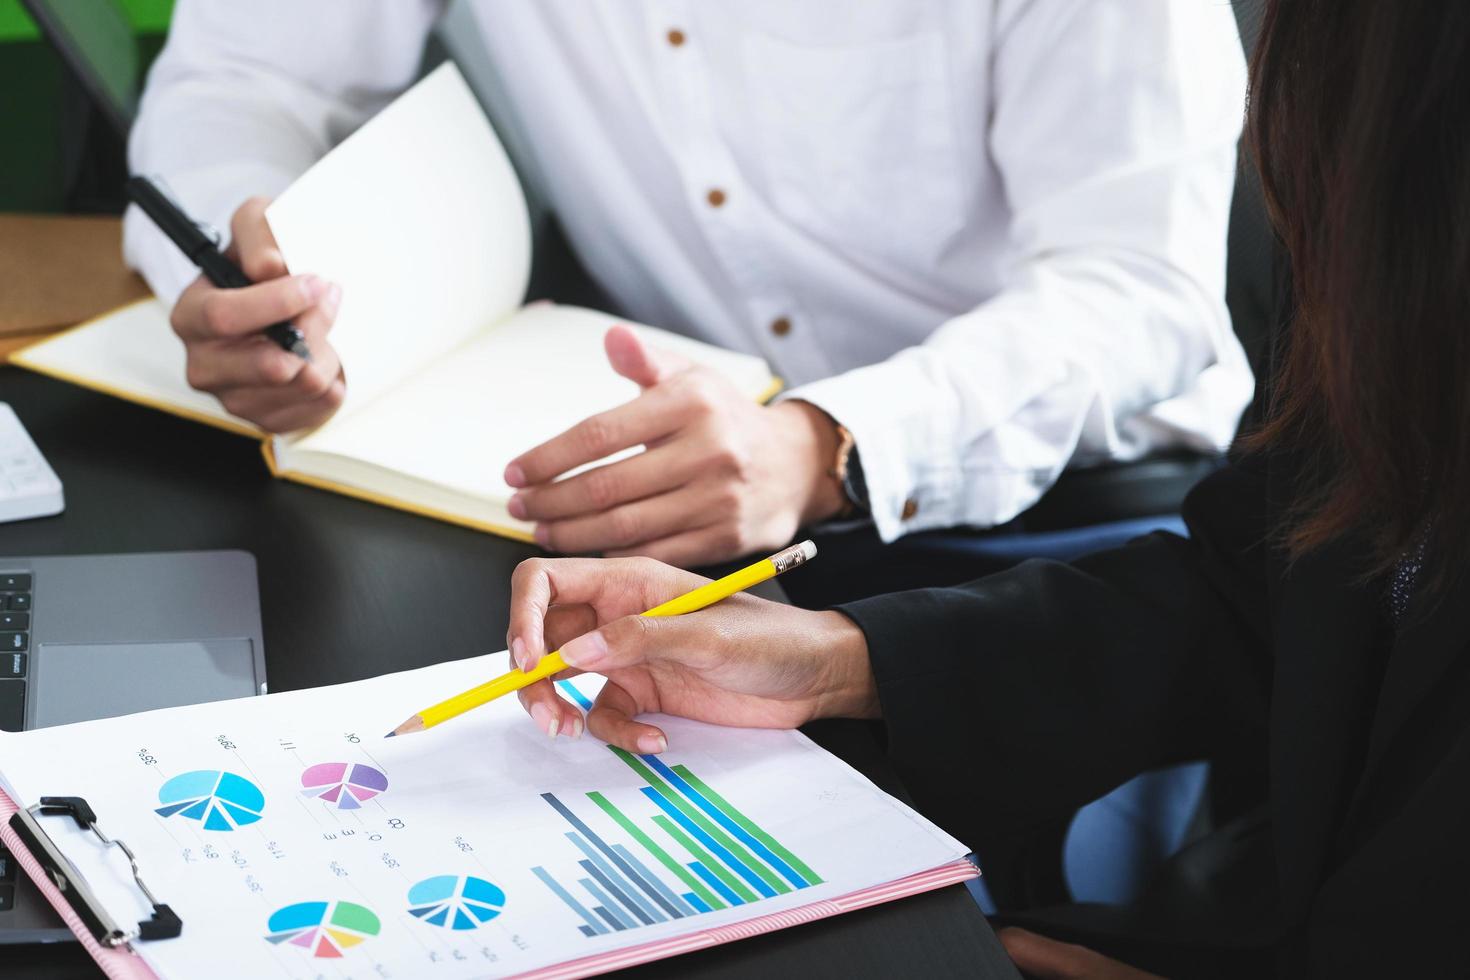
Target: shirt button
{"x": 781, "y": 326}
{"x": 715, "y": 197}
{"x": 676, "y": 37}
{"x": 910, "y": 508}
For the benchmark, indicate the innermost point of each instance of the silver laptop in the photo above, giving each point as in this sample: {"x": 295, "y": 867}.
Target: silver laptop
{"x": 94, "y": 636}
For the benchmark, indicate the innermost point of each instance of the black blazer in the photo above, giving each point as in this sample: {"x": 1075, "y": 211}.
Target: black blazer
{"x": 1011, "y": 701}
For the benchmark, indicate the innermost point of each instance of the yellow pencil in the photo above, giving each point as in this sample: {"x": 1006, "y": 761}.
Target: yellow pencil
{"x": 552, "y": 663}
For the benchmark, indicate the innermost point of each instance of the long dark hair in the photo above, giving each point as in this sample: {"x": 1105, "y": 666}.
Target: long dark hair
{"x": 1358, "y": 121}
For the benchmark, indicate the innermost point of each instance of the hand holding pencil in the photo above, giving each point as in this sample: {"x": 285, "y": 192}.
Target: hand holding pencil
{"x": 744, "y": 661}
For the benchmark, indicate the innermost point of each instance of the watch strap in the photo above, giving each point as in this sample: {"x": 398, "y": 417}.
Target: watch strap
{"x": 847, "y": 468}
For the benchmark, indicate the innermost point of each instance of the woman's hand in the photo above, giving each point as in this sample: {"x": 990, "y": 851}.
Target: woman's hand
{"x": 744, "y": 662}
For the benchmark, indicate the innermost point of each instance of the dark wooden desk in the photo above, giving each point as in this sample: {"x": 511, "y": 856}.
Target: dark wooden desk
{"x": 351, "y": 590}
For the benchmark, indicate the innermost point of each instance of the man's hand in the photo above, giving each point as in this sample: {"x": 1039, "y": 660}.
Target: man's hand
{"x": 1049, "y": 959}
{"x": 230, "y": 358}
{"x": 744, "y": 661}
{"x": 722, "y": 476}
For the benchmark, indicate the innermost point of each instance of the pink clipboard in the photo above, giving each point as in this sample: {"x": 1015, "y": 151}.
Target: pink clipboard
{"x": 118, "y": 964}
{"x": 123, "y": 964}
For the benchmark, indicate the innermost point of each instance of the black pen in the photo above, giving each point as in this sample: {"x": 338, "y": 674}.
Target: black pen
{"x": 200, "y": 249}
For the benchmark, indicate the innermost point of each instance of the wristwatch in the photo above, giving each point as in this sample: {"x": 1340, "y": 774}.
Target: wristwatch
{"x": 847, "y": 469}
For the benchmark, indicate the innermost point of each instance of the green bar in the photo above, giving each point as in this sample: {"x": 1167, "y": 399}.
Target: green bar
{"x": 702, "y": 822}
{"x": 651, "y": 847}
{"x": 700, "y": 854}
{"x": 748, "y": 827}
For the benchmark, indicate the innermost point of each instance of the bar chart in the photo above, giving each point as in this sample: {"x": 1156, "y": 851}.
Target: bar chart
{"x": 689, "y": 853}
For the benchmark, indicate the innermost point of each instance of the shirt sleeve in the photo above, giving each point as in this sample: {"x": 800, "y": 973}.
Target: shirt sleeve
{"x": 244, "y": 97}
{"x": 1114, "y": 127}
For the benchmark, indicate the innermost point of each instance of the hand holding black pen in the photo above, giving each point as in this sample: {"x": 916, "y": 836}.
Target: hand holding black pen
{"x": 201, "y": 249}
{"x": 255, "y": 335}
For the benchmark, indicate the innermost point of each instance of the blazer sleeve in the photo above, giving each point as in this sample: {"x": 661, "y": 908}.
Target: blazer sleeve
{"x": 1016, "y": 698}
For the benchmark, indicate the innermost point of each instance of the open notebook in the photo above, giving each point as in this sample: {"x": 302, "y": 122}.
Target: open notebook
{"x": 418, "y": 215}
{"x": 293, "y": 841}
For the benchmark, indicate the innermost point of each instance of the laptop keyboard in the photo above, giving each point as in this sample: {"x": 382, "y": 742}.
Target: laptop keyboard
{"x": 15, "y": 648}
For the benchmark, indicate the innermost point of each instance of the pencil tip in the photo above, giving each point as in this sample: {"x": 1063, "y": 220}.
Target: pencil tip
{"x": 414, "y": 724}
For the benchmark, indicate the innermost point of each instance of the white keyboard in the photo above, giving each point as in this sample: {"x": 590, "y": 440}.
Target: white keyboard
{"x": 28, "y": 485}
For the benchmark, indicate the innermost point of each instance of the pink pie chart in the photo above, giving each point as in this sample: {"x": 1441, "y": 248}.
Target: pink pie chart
{"x": 344, "y": 785}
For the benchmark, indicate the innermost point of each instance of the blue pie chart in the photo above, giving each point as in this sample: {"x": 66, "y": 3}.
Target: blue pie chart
{"x": 218, "y": 800}
{"x": 455, "y": 901}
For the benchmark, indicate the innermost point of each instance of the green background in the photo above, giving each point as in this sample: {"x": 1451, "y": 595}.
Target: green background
{"x": 31, "y": 99}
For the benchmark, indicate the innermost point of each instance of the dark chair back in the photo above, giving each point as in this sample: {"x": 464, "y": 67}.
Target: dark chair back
{"x": 1256, "y": 267}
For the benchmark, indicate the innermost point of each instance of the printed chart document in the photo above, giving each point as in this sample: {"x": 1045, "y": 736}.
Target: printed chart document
{"x": 295, "y": 841}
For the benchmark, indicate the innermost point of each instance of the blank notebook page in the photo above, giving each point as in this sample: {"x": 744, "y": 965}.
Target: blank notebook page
{"x": 420, "y": 219}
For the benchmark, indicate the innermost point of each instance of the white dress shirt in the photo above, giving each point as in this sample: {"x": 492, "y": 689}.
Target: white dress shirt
{"x": 987, "y": 236}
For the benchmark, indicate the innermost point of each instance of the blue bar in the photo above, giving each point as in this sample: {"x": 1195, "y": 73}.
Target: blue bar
{"x": 602, "y": 846}
{"x": 693, "y": 829}
{"x": 587, "y": 931}
{"x": 617, "y": 892}
{"x": 720, "y": 817}
{"x": 612, "y": 920}
{"x": 608, "y": 909}
{"x": 571, "y": 902}
{"x": 715, "y": 883}
{"x": 671, "y": 901}
{"x": 694, "y": 900}
{"x": 614, "y": 880}
{"x": 577, "y": 695}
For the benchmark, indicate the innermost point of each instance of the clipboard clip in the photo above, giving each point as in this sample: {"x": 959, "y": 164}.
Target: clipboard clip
{"x": 163, "y": 924}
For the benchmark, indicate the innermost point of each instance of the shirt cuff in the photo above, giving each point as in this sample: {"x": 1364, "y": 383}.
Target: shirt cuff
{"x": 912, "y": 478}
{"x": 968, "y": 436}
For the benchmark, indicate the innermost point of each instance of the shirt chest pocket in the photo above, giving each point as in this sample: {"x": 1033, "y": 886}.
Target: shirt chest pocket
{"x": 857, "y": 144}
